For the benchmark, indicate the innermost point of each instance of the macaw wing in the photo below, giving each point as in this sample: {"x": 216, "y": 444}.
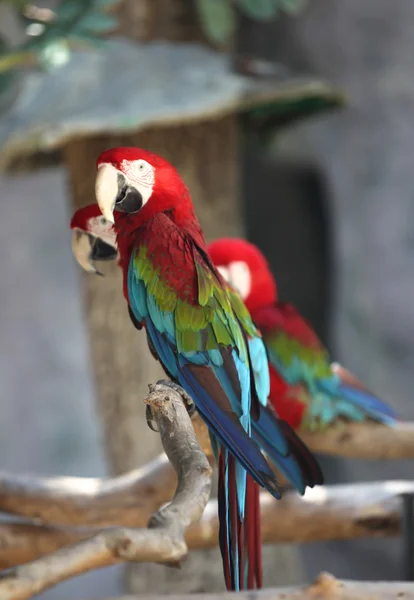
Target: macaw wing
{"x": 299, "y": 357}
{"x": 295, "y": 361}
{"x": 202, "y": 345}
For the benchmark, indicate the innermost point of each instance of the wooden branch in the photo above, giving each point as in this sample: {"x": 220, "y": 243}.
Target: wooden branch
{"x": 367, "y": 440}
{"x": 88, "y": 500}
{"x": 325, "y": 587}
{"x": 131, "y": 498}
{"x": 326, "y": 513}
{"x": 162, "y": 542}
{"x": 363, "y": 440}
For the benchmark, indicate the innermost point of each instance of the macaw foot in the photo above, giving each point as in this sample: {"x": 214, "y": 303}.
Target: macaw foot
{"x": 188, "y": 401}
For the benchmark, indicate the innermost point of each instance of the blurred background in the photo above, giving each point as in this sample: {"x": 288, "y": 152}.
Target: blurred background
{"x": 320, "y": 180}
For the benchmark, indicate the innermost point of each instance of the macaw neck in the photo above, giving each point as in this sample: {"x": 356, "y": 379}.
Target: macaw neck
{"x": 166, "y": 242}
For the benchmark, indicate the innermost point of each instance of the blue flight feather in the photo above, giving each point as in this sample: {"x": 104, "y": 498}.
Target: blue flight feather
{"x": 370, "y": 404}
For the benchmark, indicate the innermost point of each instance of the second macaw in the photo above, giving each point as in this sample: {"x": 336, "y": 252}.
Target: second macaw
{"x": 203, "y": 335}
{"x": 307, "y": 390}
{"x": 93, "y": 237}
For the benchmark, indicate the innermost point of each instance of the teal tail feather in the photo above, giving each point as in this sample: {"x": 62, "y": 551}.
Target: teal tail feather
{"x": 356, "y": 402}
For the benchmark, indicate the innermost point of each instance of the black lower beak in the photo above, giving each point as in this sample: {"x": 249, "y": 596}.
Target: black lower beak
{"x": 100, "y": 250}
{"x": 129, "y": 199}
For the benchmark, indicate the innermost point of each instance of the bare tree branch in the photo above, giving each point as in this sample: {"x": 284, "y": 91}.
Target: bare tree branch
{"x": 136, "y": 495}
{"x": 325, "y": 587}
{"x": 163, "y": 541}
{"x": 81, "y": 500}
{"x": 367, "y": 440}
{"x": 325, "y": 513}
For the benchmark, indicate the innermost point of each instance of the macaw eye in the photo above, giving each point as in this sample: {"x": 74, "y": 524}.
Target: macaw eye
{"x": 142, "y": 165}
{"x": 103, "y": 221}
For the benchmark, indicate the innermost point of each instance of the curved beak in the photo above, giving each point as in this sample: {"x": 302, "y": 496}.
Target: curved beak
{"x": 88, "y": 248}
{"x": 106, "y": 189}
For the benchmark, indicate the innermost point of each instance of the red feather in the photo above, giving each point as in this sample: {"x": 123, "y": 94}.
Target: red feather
{"x": 286, "y": 399}
{"x": 244, "y": 534}
{"x": 285, "y": 317}
{"x": 81, "y": 217}
{"x": 253, "y": 535}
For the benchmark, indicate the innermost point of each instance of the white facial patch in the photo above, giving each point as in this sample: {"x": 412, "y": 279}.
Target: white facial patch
{"x": 103, "y": 229}
{"x": 224, "y": 272}
{"x": 141, "y": 175}
{"x": 239, "y": 277}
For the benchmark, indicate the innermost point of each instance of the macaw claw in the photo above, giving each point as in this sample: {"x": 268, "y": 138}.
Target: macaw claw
{"x": 188, "y": 401}
{"x": 149, "y": 417}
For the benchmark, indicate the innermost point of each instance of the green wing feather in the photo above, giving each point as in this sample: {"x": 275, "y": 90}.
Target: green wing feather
{"x": 295, "y": 361}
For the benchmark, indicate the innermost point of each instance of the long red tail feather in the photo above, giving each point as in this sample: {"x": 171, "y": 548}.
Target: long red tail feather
{"x": 240, "y": 539}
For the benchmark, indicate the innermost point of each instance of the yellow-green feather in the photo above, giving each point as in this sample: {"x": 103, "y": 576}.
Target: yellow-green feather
{"x": 288, "y": 349}
{"x": 217, "y": 315}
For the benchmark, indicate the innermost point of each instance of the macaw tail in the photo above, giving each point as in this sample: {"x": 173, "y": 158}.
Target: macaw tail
{"x": 285, "y": 450}
{"x": 239, "y": 533}
{"x": 356, "y": 402}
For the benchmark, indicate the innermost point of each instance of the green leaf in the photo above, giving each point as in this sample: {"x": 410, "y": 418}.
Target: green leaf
{"x": 105, "y": 3}
{"x": 96, "y": 23}
{"x": 69, "y": 10}
{"x": 81, "y": 40}
{"x": 261, "y": 10}
{"x": 76, "y": 22}
{"x": 217, "y": 19}
{"x": 293, "y": 6}
{"x": 7, "y": 80}
{"x": 17, "y": 4}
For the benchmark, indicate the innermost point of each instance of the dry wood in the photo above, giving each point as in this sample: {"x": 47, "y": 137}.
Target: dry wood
{"x": 163, "y": 541}
{"x": 88, "y": 500}
{"x": 363, "y": 440}
{"x": 325, "y": 587}
{"x": 325, "y": 513}
{"x": 130, "y": 499}
{"x": 366, "y": 440}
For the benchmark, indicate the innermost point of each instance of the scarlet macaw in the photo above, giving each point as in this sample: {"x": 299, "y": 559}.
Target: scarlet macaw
{"x": 307, "y": 390}
{"x": 204, "y": 337}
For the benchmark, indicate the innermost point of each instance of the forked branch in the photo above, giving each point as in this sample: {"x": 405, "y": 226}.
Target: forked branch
{"x": 162, "y": 542}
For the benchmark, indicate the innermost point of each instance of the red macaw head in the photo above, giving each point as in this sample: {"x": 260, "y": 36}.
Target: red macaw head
{"x": 93, "y": 237}
{"x": 140, "y": 184}
{"x": 246, "y": 269}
